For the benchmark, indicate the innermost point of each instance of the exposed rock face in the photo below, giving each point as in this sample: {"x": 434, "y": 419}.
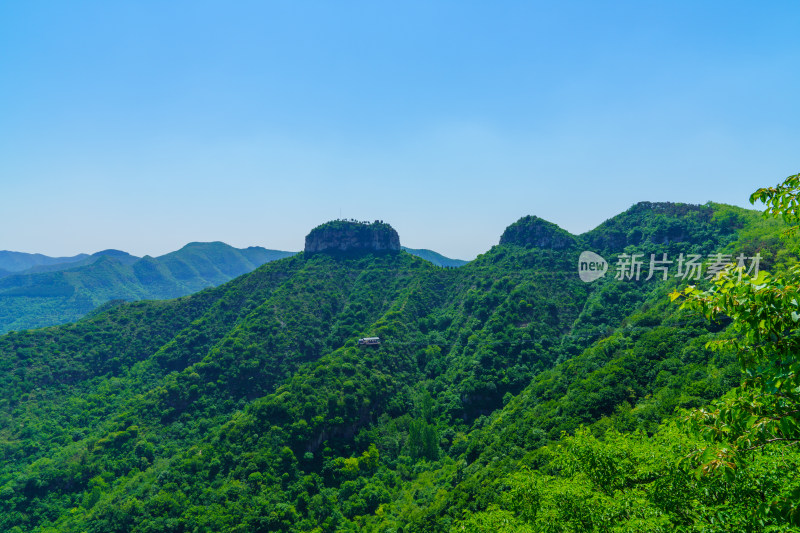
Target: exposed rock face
{"x": 534, "y": 232}
{"x": 352, "y": 236}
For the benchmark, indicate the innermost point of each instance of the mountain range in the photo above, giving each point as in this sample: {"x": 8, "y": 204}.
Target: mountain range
{"x": 11, "y": 262}
{"x": 505, "y": 395}
{"x": 49, "y": 291}
{"x": 38, "y": 291}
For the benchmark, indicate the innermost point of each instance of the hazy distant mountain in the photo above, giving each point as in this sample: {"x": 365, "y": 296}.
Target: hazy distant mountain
{"x": 11, "y": 262}
{"x": 204, "y": 264}
{"x": 50, "y": 293}
{"x": 122, "y": 257}
{"x": 435, "y": 258}
{"x": 119, "y": 255}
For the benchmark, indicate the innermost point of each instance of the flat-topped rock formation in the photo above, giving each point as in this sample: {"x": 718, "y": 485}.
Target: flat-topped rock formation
{"x": 352, "y": 236}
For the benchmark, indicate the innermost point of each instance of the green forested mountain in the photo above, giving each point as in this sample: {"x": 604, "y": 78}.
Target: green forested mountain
{"x": 435, "y": 257}
{"x": 51, "y": 292}
{"x": 506, "y": 395}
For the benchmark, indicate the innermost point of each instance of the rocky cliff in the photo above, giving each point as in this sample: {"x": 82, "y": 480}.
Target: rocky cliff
{"x": 352, "y": 236}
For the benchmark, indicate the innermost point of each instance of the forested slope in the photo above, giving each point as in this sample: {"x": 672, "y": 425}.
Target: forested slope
{"x": 249, "y": 407}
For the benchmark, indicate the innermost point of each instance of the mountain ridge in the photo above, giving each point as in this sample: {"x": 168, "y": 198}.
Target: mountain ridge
{"x": 20, "y": 261}
{"x": 435, "y": 257}
{"x": 47, "y": 298}
{"x": 250, "y": 405}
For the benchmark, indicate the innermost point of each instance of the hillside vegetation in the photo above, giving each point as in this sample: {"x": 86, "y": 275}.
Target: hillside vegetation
{"x": 506, "y": 395}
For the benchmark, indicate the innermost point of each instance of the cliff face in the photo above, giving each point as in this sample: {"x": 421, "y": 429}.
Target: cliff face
{"x": 352, "y": 236}
{"x": 534, "y": 232}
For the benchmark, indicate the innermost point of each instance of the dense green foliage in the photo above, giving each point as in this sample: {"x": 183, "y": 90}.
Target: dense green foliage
{"x": 51, "y": 293}
{"x": 506, "y": 395}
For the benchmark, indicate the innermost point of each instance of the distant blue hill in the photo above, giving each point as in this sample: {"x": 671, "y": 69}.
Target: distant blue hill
{"x": 435, "y": 258}
{"x": 11, "y": 262}
{"x": 50, "y": 291}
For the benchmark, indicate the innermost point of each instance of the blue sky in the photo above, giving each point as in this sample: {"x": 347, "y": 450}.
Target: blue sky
{"x": 146, "y": 125}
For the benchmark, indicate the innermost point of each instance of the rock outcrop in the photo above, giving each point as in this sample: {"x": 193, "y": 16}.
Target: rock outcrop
{"x": 352, "y": 236}
{"x": 534, "y": 232}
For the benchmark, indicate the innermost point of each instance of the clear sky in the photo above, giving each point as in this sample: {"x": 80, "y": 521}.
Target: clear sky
{"x": 145, "y": 125}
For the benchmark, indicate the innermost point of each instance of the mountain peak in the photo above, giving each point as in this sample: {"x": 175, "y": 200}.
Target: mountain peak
{"x": 116, "y": 255}
{"x": 110, "y": 252}
{"x": 352, "y": 236}
{"x": 657, "y": 223}
{"x": 204, "y": 244}
{"x": 535, "y": 232}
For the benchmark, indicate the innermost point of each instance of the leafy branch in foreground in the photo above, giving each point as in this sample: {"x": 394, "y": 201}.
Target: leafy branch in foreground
{"x": 764, "y": 411}
{"x": 782, "y": 200}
